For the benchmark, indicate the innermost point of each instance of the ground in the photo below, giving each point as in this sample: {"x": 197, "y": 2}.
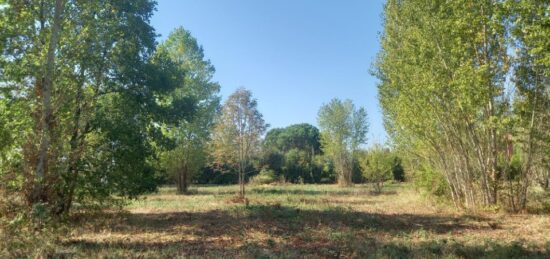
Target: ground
{"x": 309, "y": 221}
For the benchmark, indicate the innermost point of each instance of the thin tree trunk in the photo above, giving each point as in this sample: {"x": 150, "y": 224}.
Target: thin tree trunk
{"x": 74, "y": 156}
{"x": 184, "y": 180}
{"x": 46, "y": 116}
{"x": 526, "y": 170}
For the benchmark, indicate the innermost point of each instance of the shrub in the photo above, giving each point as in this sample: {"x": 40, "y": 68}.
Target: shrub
{"x": 266, "y": 176}
{"x": 431, "y": 181}
{"x": 376, "y": 164}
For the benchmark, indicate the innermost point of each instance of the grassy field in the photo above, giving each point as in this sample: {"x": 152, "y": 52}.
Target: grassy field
{"x": 305, "y": 221}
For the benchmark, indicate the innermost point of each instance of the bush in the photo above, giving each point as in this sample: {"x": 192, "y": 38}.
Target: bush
{"x": 431, "y": 181}
{"x": 266, "y": 176}
{"x": 377, "y": 164}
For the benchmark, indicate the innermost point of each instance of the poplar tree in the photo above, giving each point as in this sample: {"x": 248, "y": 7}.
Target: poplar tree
{"x": 343, "y": 129}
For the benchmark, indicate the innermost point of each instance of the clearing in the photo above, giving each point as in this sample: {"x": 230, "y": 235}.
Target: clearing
{"x": 305, "y": 221}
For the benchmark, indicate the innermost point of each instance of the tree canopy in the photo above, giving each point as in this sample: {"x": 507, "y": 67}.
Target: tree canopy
{"x": 449, "y": 98}
{"x": 343, "y": 129}
{"x": 190, "y": 134}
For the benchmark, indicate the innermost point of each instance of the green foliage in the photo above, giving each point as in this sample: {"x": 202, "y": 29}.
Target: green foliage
{"x": 530, "y": 34}
{"x": 431, "y": 182}
{"x": 292, "y": 152}
{"x": 190, "y": 135}
{"x": 377, "y": 165}
{"x": 343, "y": 130}
{"x": 398, "y": 171}
{"x": 298, "y": 136}
{"x": 80, "y": 116}
{"x": 447, "y": 74}
{"x": 266, "y": 176}
{"x": 220, "y": 175}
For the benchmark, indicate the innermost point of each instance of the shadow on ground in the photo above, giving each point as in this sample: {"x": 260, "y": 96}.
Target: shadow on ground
{"x": 282, "y": 231}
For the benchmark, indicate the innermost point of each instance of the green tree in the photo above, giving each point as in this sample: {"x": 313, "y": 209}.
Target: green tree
{"x": 236, "y": 137}
{"x": 377, "y": 164}
{"x": 291, "y": 152}
{"x": 191, "y": 135}
{"x": 301, "y": 136}
{"x": 444, "y": 71}
{"x": 84, "y": 85}
{"x": 343, "y": 130}
{"x": 531, "y": 107}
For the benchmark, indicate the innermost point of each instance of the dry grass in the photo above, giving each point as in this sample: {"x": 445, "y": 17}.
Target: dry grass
{"x": 304, "y": 221}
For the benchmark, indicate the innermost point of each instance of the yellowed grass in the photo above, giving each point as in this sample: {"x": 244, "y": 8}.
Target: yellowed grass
{"x": 305, "y": 221}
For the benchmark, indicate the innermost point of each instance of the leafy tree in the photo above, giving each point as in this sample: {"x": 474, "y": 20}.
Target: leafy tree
{"x": 434, "y": 62}
{"x": 531, "y": 40}
{"x": 300, "y": 136}
{"x": 191, "y": 135}
{"x": 444, "y": 70}
{"x": 84, "y": 85}
{"x": 291, "y": 152}
{"x": 236, "y": 137}
{"x": 377, "y": 165}
{"x": 343, "y": 130}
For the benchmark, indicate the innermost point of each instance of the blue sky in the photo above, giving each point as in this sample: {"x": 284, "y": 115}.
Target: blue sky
{"x": 294, "y": 55}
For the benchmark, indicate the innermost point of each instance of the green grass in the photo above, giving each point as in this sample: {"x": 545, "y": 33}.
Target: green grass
{"x": 309, "y": 221}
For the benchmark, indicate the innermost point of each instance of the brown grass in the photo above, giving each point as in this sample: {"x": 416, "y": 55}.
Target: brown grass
{"x": 304, "y": 221}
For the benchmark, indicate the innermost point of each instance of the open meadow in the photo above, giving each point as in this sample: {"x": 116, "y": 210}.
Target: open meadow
{"x": 314, "y": 221}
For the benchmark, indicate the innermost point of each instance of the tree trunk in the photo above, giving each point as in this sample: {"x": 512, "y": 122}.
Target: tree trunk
{"x": 184, "y": 181}
{"x": 241, "y": 181}
{"x": 41, "y": 170}
{"x": 76, "y": 143}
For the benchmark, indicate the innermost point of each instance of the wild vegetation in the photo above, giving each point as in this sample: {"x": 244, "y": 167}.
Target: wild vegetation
{"x": 302, "y": 221}
{"x": 98, "y": 122}
{"x": 479, "y": 72}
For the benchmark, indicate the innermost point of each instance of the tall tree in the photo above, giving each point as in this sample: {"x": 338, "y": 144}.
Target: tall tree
{"x": 191, "y": 134}
{"x": 237, "y": 135}
{"x": 444, "y": 70}
{"x": 86, "y": 72}
{"x": 343, "y": 130}
{"x": 531, "y": 40}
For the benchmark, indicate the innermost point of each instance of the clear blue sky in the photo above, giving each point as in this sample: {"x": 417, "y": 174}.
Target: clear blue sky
{"x": 294, "y": 55}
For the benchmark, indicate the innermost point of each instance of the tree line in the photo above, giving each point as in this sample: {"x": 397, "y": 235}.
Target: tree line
{"x": 465, "y": 92}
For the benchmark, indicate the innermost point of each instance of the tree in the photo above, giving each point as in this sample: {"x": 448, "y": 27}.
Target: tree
{"x": 531, "y": 107}
{"x": 343, "y": 130}
{"x": 444, "y": 70}
{"x": 377, "y": 164}
{"x": 86, "y": 85}
{"x": 291, "y": 151}
{"x": 301, "y": 136}
{"x": 191, "y": 135}
{"x": 236, "y": 137}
